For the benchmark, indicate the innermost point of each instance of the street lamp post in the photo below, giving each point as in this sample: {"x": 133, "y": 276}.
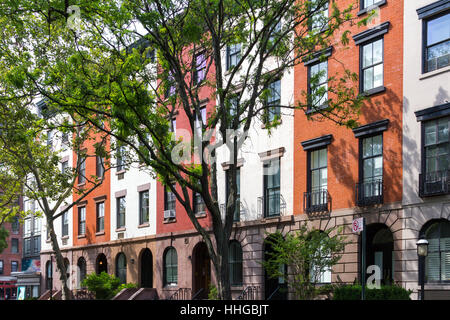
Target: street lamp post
{"x": 422, "y": 252}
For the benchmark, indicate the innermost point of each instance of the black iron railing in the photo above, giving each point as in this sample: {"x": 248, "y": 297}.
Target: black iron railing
{"x": 434, "y": 183}
{"x": 182, "y": 294}
{"x": 272, "y": 205}
{"x": 249, "y": 293}
{"x": 316, "y": 201}
{"x": 198, "y": 295}
{"x": 369, "y": 193}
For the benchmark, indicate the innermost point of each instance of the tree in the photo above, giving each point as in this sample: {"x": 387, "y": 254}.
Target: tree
{"x": 28, "y": 153}
{"x": 95, "y": 64}
{"x": 308, "y": 254}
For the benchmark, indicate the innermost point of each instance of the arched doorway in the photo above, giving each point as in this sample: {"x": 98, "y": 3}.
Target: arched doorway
{"x": 102, "y": 264}
{"x": 274, "y": 288}
{"x": 121, "y": 267}
{"x": 201, "y": 271}
{"x": 146, "y": 269}
{"x": 81, "y": 271}
{"x": 379, "y": 250}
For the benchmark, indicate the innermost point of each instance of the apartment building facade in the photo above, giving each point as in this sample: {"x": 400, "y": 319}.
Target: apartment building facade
{"x": 426, "y": 153}
{"x": 342, "y": 174}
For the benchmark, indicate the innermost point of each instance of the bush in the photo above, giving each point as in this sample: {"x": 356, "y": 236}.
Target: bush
{"x": 124, "y": 286}
{"x": 103, "y": 285}
{"x": 353, "y": 292}
{"x": 213, "y": 293}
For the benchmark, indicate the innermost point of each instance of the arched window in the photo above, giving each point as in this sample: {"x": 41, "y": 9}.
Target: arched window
{"x": 320, "y": 274}
{"x": 235, "y": 263}
{"x": 48, "y": 274}
{"x": 121, "y": 267}
{"x": 437, "y": 265}
{"x": 170, "y": 267}
{"x": 81, "y": 271}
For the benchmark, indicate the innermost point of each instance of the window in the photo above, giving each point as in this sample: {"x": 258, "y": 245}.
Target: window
{"x": 371, "y": 65}
{"x": 201, "y": 119}
{"x": 319, "y": 16}
{"x": 271, "y": 184}
{"x": 65, "y": 224}
{"x": 233, "y": 55}
{"x": 1, "y": 267}
{"x": 37, "y": 225}
{"x": 323, "y": 274}
{"x": 371, "y": 3}
{"x": 81, "y": 271}
{"x": 200, "y": 68}
{"x": 169, "y": 199}
{"x": 199, "y": 204}
{"x": 171, "y": 87}
{"x": 27, "y": 246}
{"x": 235, "y": 263}
{"x": 14, "y": 266}
{"x": 100, "y": 208}
{"x": 121, "y": 206}
{"x": 318, "y": 85}
{"x": 371, "y": 157}
{"x": 143, "y": 207}
{"x": 170, "y": 267}
{"x": 236, "y": 216}
{"x": 36, "y": 245}
{"x": 50, "y": 139}
{"x": 82, "y": 171}
{"x": 64, "y": 166}
{"x": 437, "y": 263}
{"x": 435, "y": 161}
{"x": 119, "y": 158}
{"x": 100, "y": 167}
{"x": 27, "y": 228}
{"x": 317, "y": 178}
{"x": 273, "y": 101}
{"x": 275, "y": 33}
{"x": 81, "y": 221}
{"x": 14, "y": 245}
{"x": 121, "y": 268}
{"x": 173, "y": 127}
{"x": 437, "y": 42}
{"x": 15, "y": 225}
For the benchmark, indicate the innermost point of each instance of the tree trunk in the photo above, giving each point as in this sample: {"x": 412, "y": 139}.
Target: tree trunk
{"x": 66, "y": 293}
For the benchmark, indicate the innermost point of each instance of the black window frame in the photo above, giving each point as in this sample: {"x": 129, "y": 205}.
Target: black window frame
{"x": 81, "y": 223}
{"x": 231, "y": 54}
{"x": 143, "y": 219}
{"x": 274, "y": 104}
{"x": 364, "y": 9}
{"x": 2, "y": 266}
{"x": 15, "y": 245}
{"x": 237, "y": 214}
{"x": 267, "y": 191}
{"x": 200, "y": 68}
{"x": 119, "y": 213}
{"x": 361, "y": 68}
{"x": 425, "y": 47}
{"x": 310, "y": 107}
{"x": 99, "y": 167}
{"x": 172, "y": 267}
{"x": 198, "y": 206}
{"x": 16, "y": 264}
{"x": 99, "y": 220}
{"x": 65, "y": 226}
{"x": 82, "y": 171}
{"x": 311, "y": 16}
{"x": 235, "y": 262}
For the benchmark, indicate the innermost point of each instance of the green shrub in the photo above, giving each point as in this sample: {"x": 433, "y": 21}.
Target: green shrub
{"x": 103, "y": 285}
{"x": 213, "y": 293}
{"x": 124, "y": 286}
{"x": 353, "y": 292}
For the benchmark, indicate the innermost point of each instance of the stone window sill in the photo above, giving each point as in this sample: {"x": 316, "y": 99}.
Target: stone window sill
{"x": 434, "y": 73}
{"x": 172, "y": 220}
{"x": 144, "y": 225}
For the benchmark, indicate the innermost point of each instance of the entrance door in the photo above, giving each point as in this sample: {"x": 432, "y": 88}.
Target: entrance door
{"x": 102, "y": 264}
{"x": 201, "y": 271}
{"x": 274, "y": 288}
{"x": 379, "y": 249}
{"x": 147, "y": 269}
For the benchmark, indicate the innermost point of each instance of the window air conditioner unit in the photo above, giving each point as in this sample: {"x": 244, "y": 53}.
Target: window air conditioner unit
{"x": 169, "y": 214}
